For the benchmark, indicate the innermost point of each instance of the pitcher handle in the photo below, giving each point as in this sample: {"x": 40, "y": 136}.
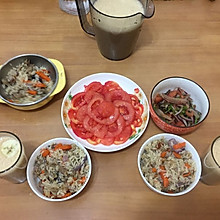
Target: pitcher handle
{"x": 150, "y": 9}
{"x": 83, "y": 19}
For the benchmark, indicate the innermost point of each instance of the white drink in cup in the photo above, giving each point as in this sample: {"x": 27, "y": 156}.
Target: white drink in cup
{"x": 211, "y": 164}
{"x": 13, "y": 160}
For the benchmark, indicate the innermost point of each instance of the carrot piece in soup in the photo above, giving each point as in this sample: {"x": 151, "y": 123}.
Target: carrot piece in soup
{"x": 45, "y": 152}
{"x": 179, "y": 145}
{"x": 43, "y": 76}
{"x": 32, "y": 92}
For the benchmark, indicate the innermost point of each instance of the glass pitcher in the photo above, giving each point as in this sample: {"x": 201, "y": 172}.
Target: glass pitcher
{"x": 116, "y": 24}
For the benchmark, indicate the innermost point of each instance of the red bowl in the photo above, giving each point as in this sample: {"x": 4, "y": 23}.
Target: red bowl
{"x": 196, "y": 92}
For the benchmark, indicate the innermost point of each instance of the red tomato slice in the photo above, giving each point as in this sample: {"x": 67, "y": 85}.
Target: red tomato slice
{"x": 109, "y": 86}
{"x": 89, "y": 95}
{"x": 126, "y": 110}
{"x": 134, "y": 100}
{"x": 117, "y": 94}
{"x": 139, "y": 109}
{"x": 106, "y": 109}
{"x": 94, "y": 86}
{"x": 107, "y": 141}
{"x": 89, "y": 124}
{"x": 93, "y": 112}
{"x": 137, "y": 121}
{"x": 81, "y": 113}
{"x": 78, "y": 100}
{"x": 94, "y": 140}
{"x": 116, "y": 128}
{"x": 71, "y": 114}
{"x": 123, "y": 136}
{"x": 100, "y": 130}
{"x": 80, "y": 131}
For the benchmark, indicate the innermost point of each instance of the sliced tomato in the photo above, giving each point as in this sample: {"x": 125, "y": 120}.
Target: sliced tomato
{"x": 78, "y": 100}
{"x": 80, "y": 131}
{"x": 93, "y": 112}
{"x": 94, "y": 140}
{"x": 100, "y": 131}
{"x": 134, "y": 100}
{"x": 123, "y": 136}
{"x": 126, "y": 110}
{"x": 139, "y": 109}
{"x": 72, "y": 114}
{"x": 109, "y": 86}
{"x": 116, "y": 128}
{"x": 94, "y": 86}
{"x": 106, "y": 109}
{"x": 117, "y": 94}
{"x": 107, "y": 141}
{"x": 137, "y": 121}
{"x": 89, "y": 95}
{"x": 89, "y": 124}
{"x": 81, "y": 113}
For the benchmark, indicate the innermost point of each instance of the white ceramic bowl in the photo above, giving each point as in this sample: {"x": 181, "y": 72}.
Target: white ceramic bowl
{"x": 188, "y": 147}
{"x": 197, "y": 93}
{"x": 32, "y": 181}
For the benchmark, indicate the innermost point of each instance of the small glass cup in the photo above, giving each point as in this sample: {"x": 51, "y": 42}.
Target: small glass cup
{"x": 12, "y": 166}
{"x": 69, "y": 6}
{"x": 211, "y": 164}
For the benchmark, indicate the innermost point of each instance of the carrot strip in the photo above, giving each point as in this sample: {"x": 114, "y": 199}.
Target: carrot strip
{"x": 32, "y": 92}
{"x": 43, "y": 76}
{"x": 83, "y": 179}
{"x": 154, "y": 170}
{"x": 187, "y": 165}
{"x": 45, "y": 152}
{"x": 158, "y": 98}
{"x": 179, "y": 145}
{"x": 62, "y": 147}
{"x": 163, "y": 154}
{"x": 40, "y": 85}
{"x": 66, "y": 195}
{"x": 177, "y": 155}
{"x": 173, "y": 93}
{"x": 163, "y": 177}
{"x": 186, "y": 174}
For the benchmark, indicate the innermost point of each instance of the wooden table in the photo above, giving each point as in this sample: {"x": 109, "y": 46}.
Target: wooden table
{"x": 182, "y": 39}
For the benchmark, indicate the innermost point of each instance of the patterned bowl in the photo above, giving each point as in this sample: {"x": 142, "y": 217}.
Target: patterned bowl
{"x": 197, "y": 94}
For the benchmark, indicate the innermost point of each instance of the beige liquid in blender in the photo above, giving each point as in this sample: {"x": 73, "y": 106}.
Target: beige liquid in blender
{"x": 117, "y": 36}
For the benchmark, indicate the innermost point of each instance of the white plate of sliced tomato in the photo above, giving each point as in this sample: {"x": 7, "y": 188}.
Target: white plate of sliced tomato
{"x": 105, "y": 112}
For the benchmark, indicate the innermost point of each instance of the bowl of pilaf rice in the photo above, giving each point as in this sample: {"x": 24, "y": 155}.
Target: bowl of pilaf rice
{"x": 27, "y": 81}
{"x": 169, "y": 164}
{"x": 59, "y": 169}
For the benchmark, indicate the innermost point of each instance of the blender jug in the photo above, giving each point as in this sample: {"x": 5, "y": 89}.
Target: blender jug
{"x": 116, "y": 24}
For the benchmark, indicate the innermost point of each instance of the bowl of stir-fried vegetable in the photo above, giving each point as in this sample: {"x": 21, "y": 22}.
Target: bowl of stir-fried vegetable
{"x": 178, "y": 105}
{"x": 29, "y": 81}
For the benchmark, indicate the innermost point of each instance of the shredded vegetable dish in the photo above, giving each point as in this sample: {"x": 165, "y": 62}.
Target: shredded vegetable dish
{"x": 61, "y": 170}
{"x": 26, "y": 83}
{"x": 167, "y": 165}
{"x": 176, "y": 108}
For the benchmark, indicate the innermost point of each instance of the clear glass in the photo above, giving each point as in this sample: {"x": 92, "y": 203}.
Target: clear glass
{"x": 211, "y": 164}
{"x": 116, "y": 33}
{"x": 12, "y": 168}
{"x": 69, "y": 6}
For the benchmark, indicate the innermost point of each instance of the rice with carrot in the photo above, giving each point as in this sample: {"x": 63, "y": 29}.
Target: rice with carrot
{"x": 61, "y": 170}
{"x": 26, "y": 83}
{"x": 167, "y": 165}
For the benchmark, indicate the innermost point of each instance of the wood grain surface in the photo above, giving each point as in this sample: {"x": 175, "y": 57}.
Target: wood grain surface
{"x": 182, "y": 39}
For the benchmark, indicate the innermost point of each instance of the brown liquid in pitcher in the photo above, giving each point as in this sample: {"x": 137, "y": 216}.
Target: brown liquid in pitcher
{"x": 117, "y": 36}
